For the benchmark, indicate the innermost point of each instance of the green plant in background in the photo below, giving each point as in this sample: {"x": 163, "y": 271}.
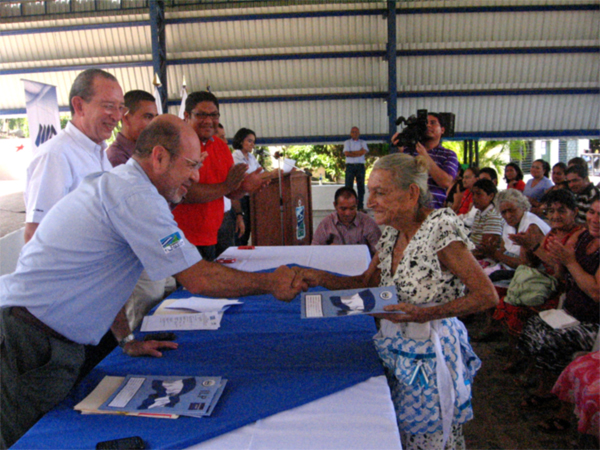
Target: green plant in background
{"x": 263, "y": 157}
{"x": 492, "y": 153}
{"x": 331, "y": 158}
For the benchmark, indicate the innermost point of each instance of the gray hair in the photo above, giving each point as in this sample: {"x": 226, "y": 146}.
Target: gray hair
{"x": 407, "y": 170}
{"x": 513, "y": 196}
{"x": 83, "y": 86}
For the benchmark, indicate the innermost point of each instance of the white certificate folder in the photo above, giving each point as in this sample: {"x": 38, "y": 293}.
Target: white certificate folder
{"x": 347, "y": 302}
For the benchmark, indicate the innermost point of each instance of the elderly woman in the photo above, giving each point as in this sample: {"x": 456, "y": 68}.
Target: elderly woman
{"x": 578, "y": 259}
{"x": 425, "y": 254}
{"x": 514, "y": 209}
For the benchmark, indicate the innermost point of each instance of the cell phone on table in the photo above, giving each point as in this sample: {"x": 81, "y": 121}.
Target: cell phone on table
{"x": 162, "y": 336}
{"x": 128, "y": 443}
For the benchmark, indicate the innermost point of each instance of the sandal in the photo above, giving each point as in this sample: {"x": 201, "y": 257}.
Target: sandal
{"x": 554, "y": 424}
{"x": 536, "y": 401}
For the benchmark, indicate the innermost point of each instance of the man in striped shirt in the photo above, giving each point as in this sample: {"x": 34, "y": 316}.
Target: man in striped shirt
{"x": 442, "y": 163}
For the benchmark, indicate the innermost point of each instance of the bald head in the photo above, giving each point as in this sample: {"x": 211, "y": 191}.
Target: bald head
{"x": 168, "y": 150}
{"x": 168, "y": 131}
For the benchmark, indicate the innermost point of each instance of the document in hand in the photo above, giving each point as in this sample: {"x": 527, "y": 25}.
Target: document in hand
{"x": 347, "y": 302}
{"x": 181, "y": 395}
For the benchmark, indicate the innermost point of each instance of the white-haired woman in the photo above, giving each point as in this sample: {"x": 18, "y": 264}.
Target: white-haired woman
{"x": 426, "y": 255}
{"x": 514, "y": 208}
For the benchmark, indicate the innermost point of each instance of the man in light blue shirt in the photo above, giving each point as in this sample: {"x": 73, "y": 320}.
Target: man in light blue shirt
{"x": 75, "y": 275}
{"x": 355, "y": 150}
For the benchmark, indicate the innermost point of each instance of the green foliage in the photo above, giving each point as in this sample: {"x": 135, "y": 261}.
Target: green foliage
{"x": 491, "y": 153}
{"x": 330, "y": 157}
{"x": 264, "y": 158}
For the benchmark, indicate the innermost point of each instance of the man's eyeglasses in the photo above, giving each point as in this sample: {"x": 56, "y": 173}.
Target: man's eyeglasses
{"x": 203, "y": 115}
{"x": 194, "y": 165}
{"x": 113, "y": 108}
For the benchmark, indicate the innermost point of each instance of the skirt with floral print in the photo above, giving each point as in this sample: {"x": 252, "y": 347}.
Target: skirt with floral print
{"x": 411, "y": 368}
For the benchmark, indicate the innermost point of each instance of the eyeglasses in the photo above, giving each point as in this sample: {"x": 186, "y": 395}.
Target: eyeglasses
{"x": 194, "y": 165}
{"x": 113, "y": 108}
{"x": 203, "y": 115}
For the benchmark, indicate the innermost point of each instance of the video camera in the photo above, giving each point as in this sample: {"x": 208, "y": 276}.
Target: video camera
{"x": 416, "y": 127}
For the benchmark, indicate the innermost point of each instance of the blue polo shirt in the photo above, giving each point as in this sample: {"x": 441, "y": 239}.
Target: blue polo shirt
{"x": 86, "y": 256}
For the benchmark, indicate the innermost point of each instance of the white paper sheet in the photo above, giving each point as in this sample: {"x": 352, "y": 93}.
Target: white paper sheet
{"x": 197, "y": 321}
{"x": 202, "y": 304}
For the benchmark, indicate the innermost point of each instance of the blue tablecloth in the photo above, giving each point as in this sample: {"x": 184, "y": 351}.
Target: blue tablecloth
{"x": 274, "y": 361}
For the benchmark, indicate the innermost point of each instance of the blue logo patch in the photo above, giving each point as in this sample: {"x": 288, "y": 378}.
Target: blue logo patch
{"x": 172, "y": 242}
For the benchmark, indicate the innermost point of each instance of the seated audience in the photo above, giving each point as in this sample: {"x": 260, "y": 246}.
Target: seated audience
{"x": 514, "y": 209}
{"x": 463, "y": 199}
{"x": 559, "y": 173}
{"x": 487, "y": 226}
{"x": 456, "y": 186}
{"x": 578, "y": 261}
{"x": 538, "y": 185}
{"x": 514, "y": 177}
{"x": 585, "y": 192}
{"x": 347, "y": 225}
{"x": 489, "y": 173}
{"x": 562, "y": 210}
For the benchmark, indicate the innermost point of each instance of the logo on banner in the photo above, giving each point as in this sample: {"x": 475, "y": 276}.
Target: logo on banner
{"x": 171, "y": 242}
{"x": 45, "y": 132}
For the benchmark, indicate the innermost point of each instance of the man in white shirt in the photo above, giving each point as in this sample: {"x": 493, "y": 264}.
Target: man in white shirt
{"x": 97, "y": 105}
{"x": 355, "y": 150}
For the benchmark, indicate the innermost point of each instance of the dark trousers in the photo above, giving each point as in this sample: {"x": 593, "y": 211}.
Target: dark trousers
{"x": 245, "y": 202}
{"x": 37, "y": 371}
{"x": 356, "y": 171}
{"x": 226, "y": 237}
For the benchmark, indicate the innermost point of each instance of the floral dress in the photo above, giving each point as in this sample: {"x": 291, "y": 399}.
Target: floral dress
{"x": 432, "y": 400}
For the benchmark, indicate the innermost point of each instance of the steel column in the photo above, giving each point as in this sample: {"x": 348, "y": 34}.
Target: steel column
{"x": 159, "y": 46}
{"x": 392, "y": 100}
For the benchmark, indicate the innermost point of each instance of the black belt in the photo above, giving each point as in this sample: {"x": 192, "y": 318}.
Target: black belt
{"x": 24, "y": 314}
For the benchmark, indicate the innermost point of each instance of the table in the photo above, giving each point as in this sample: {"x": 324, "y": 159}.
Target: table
{"x": 359, "y": 415}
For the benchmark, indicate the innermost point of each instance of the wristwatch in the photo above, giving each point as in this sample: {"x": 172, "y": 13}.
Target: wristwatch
{"x": 130, "y": 337}
{"x": 240, "y": 213}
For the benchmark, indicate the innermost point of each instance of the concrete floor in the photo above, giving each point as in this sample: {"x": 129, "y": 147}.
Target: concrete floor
{"x": 500, "y": 422}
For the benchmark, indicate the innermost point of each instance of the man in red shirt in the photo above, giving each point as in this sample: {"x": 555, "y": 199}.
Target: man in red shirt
{"x": 201, "y": 213}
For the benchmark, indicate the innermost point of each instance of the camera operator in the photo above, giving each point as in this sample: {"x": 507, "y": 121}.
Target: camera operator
{"x": 442, "y": 163}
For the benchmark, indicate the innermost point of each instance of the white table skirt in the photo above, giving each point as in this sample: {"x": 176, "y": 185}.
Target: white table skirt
{"x": 357, "y": 418}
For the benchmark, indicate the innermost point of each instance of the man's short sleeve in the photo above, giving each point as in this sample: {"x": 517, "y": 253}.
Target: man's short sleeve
{"x": 48, "y": 180}
{"x": 146, "y": 223}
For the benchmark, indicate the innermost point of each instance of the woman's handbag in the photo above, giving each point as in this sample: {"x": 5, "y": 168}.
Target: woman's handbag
{"x": 530, "y": 287}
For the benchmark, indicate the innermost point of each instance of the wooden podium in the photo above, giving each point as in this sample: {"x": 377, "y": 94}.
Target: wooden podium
{"x": 291, "y": 226}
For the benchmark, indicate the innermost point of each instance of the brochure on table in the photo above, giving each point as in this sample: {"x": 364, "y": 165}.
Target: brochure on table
{"x": 191, "y": 313}
{"x": 347, "y": 302}
{"x": 182, "y": 395}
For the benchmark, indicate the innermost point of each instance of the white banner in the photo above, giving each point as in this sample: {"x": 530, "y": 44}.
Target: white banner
{"x": 42, "y": 112}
